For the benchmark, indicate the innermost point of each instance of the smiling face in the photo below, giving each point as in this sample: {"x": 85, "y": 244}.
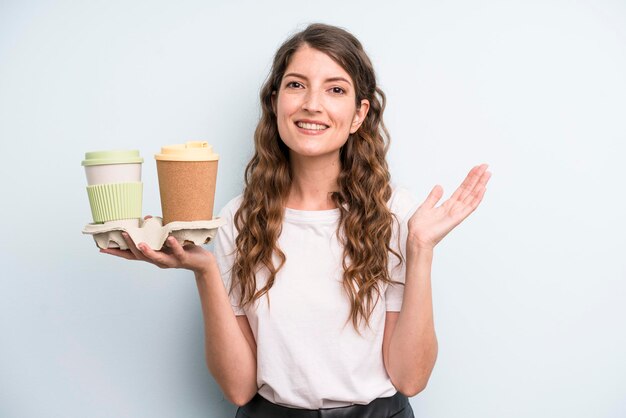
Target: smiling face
{"x": 315, "y": 105}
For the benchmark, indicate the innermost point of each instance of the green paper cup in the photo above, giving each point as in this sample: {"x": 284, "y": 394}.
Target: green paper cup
{"x": 114, "y": 184}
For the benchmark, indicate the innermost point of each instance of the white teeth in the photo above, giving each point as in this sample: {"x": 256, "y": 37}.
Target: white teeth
{"x": 312, "y": 126}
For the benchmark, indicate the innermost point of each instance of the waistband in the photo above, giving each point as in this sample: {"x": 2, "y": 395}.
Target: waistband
{"x": 259, "y": 407}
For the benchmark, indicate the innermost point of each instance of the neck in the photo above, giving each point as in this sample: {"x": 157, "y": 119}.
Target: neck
{"x": 312, "y": 181}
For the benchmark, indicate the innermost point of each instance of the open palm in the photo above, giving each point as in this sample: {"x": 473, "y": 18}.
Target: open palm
{"x": 430, "y": 224}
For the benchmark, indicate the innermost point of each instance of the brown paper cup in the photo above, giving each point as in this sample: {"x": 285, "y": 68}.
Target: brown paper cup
{"x": 187, "y": 190}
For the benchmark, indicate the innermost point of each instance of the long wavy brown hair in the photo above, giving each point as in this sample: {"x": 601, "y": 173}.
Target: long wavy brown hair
{"x": 364, "y": 188}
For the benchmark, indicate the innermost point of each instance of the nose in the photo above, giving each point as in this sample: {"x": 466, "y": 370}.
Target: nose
{"x": 312, "y": 101}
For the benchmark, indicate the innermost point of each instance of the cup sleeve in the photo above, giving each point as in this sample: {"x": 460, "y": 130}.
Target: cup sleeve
{"x": 224, "y": 252}
{"x": 405, "y": 206}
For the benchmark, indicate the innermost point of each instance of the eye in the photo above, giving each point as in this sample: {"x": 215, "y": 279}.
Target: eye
{"x": 294, "y": 84}
{"x": 338, "y": 90}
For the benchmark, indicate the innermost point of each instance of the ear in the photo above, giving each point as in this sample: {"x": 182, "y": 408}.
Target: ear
{"x": 360, "y": 115}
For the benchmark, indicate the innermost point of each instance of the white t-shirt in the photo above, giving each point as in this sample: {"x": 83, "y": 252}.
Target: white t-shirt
{"x": 308, "y": 353}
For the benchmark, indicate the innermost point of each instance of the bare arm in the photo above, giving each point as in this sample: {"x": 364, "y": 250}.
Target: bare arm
{"x": 409, "y": 343}
{"x": 230, "y": 348}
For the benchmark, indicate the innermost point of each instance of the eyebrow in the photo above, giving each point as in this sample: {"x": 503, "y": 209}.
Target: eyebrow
{"x": 327, "y": 80}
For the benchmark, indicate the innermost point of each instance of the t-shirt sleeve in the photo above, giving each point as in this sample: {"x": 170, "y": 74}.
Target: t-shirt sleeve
{"x": 225, "y": 249}
{"x": 403, "y": 205}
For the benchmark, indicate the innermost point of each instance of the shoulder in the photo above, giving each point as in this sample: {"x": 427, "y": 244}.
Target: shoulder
{"x": 402, "y": 202}
{"x": 229, "y": 209}
{"x": 227, "y": 232}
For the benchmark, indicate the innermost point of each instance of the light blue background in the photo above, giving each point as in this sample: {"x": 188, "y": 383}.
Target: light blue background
{"x": 528, "y": 293}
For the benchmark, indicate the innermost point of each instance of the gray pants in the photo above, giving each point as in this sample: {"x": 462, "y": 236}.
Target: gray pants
{"x": 396, "y": 406}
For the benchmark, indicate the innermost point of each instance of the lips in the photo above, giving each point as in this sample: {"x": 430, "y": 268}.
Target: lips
{"x": 311, "y": 125}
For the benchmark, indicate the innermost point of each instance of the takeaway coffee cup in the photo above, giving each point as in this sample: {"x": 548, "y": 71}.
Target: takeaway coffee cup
{"x": 187, "y": 174}
{"x": 114, "y": 184}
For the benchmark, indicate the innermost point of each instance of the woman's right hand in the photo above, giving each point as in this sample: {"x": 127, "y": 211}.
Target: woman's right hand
{"x": 172, "y": 255}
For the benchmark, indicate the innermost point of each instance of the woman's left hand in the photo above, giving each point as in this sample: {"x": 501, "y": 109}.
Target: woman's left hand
{"x": 430, "y": 224}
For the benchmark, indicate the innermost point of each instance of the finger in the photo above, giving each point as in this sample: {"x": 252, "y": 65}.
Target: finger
{"x": 462, "y": 209}
{"x": 132, "y": 247}
{"x": 119, "y": 253}
{"x": 177, "y": 250}
{"x": 147, "y": 217}
{"x": 471, "y": 207}
{"x": 478, "y": 190}
{"x": 159, "y": 258}
{"x": 479, "y": 198}
{"x": 433, "y": 197}
{"x": 468, "y": 184}
{"x": 465, "y": 184}
{"x": 472, "y": 201}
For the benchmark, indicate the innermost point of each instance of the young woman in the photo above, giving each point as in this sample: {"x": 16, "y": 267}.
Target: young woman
{"x": 318, "y": 299}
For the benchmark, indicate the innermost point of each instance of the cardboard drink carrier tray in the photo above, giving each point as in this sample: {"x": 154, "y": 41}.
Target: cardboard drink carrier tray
{"x": 152, "y": 232}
